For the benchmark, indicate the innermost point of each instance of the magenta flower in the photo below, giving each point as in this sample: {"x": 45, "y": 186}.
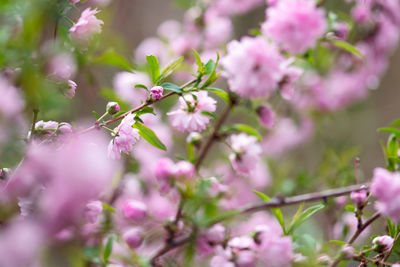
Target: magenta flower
{"x": 86, "y": 26}
{"x": 133, "y": 237}
{"x": 246, "y": 153}
{"x": 124, "y": 138}
{"x": 93, "y": 210}
{"x": 266, "y": 116}
{"x": 135, "y": 210}
{"x": 252, "y": 67}
{"x": 359, "y": 197}
{"x": 296, "y": 25}
{"x": 188, "y": 116}
{"x": 156, "y": 92}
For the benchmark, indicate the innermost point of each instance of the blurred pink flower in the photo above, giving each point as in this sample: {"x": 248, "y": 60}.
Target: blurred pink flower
{"x": 70, "y": 93}
{"x": 133, "y": 237}
{"x": 135, "y": 211}
{"x": 11, "y": 102}
{"x": 151, "y": 47}
{"x": 252, "y": 67}
{"x": 246, "y": 152}
{"x": 124, "y": 85}
{"x": 62, "y": 66}
{"x": 124, "y": 138}
{"x": 86, "y": 26}
{"x": 188, "y": 116}
{"x": 296, "y": 25}
{"x": 266, "y": 116}
{"x": 233, "y": 7}
{"x": 93, "y": 210}
{"x": 385, "y": 187}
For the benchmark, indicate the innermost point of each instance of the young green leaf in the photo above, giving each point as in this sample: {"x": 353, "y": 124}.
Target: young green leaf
{"x": 142, "y": 86}
{"x": 154, "y": 68}
{"x": 209, "y": 67}
{"x": 145, "y": 110}
{"x": 169, "y": 69}
{"x": 200, "y": 65}
{"x": 276, "y": 211}
{"x": 301, "y": 217}
{"x": 243, "y": 128}
{"x": 111, "y": 58}
{"x": 149, "y": 136}
{"x": 108, "y": 248}
{"x": 391, "y": 130}
{"x": 348, "y": 47}
{"x": 219, "y": 92}
{"x": 172, "y": 87}
{"x": 108, "y": 207}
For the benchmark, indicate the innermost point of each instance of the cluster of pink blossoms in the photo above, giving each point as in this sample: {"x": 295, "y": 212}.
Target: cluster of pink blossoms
{"x": 125, "y": 136}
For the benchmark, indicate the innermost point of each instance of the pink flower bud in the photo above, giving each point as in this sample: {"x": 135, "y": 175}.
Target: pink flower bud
{"x": 382, "y": 243}
{"x": 156, "y": 92}
{"x": 164, "y": 171}
{"x": 112, "y": 108}
{"x": 133, "y": 237}
{"x": 359, "y": 197}
{"x": 70, "y": 93}
{"x": 184, "y": 169}
{"x": 216, "y": 234}
{"x": 266, "y": 116}
{"x": 135, "y": 210}
{"x": 348, "y": 251}
{"x": 93, "y": 210}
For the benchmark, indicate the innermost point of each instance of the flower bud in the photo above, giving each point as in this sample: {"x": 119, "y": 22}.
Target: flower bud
{"x": 359, "y": 197}
{"x": 184, "y": 169}
{"x": 216, "y": 234}
{"x": 133, "y": 237}
{"x": 70, "y": 93}
{"x": 266, "y": 116}
{"x": 112, "y": 108}
{"x": 195, "y": 139}
{"x": 382, "y": 243}
{"x": 348, "y": 251}
{"x": 135, "y": 210}
{"x": 156, "y": 92}
{"x": 65, "y": 128}
{"x": 93, "y": 210}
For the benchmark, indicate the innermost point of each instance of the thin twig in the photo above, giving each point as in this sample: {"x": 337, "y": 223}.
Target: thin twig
{"x": 214, "y": 135}
{"x": 34, "y": 120}
{"x": 357, "y": 234}
{"x": 145, "y": 104}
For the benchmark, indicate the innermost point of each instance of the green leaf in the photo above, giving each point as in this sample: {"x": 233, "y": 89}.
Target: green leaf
{"x": 154, "y": 68}
{"x": 108, "y": 248}
{"x": 200, "y": 66}
{"x": 276, "y": 211}
{"x": 219, "y": 92}
{"x": 145, "y": 110}
{"x": 301, "y": 217}
{"x": 149, "y": 136}
{"x": 213, "y": 76}
{"x": 396, "y": 123}
{"x": 347, "y": 47}
{"x": 96, "y": 114}
{"x": 108, "y": 207}
{"x": 111, "y": 58}
{"x": 139, "y": 85}
{"x": 243, "y": 128}
{"x": 172, "y": 87}
{"x": 350, "y": 208}
{"x": 338, "y": 242}
{"x": 391, "y": 130}
{"x": 209, "y": 114}
{"x": 209, "y": 67}
{"x": 169, "y": 69}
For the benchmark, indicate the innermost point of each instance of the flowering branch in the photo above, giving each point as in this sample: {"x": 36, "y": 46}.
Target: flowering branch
{"x": 145, "y": 104}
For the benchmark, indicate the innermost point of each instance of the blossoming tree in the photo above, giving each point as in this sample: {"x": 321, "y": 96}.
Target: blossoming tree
{"x": 198, "y": 125}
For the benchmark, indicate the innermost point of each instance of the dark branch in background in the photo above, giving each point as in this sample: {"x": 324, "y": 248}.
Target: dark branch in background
{"x": 34, "y": 120}
{"x": 275, "y": 202}
{"x": 145, "y": 104}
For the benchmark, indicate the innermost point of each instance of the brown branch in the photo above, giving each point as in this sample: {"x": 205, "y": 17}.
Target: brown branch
{"x": 214, "y": 135}
{"x": 34, "y": 120}
{"x": 357, "y": 234}
{"x": 168, "y": 247}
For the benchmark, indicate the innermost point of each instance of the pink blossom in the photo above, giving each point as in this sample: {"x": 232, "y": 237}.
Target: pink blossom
{"x": 124, "y": 138}
{"x": 156, "y": 92}
{"x": 188, "y": 115}
{"x": 169, "y": 29}
{"x": 151, "y": 46}
{"x": 11, "y": 103}
{"x": 385, "y": 187}
{"x": 296, "y": 25}
{"x": 245, "y": 258}
{"x": 124, "y": 85}
{"x": 252, "y": 67}
{"x": 361, "y": 12}
{"x": 346, "y": 227}
{"x": 218, "y": 29}
{"x": 184, "y": 169}
{"x": 62, "y": 66}
{"x": 133, "y": 237}
{"x": 70, "y": 93}
{"x": 232, "y": 7}
{"x": 93, "y": 210}
{"x": 266, "y": 116}
{"x": 290, "y": 75}
{"x": 135, "y": 210}
{"x": 164, "y": 170}
{"x": 359, "y": 197}
{"x": 246, "y": 152}
{"x": 276, "y": 252}
{"x": 86, "y": 26}
{"x": 112, "y": 108}
{"x": 383, "y": 243}
{"x": 216, "y": 234}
